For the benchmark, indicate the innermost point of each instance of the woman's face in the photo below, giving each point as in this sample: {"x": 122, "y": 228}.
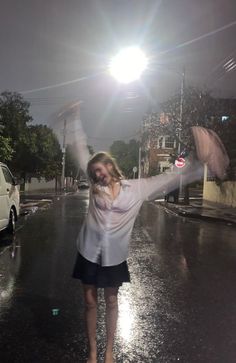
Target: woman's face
{"x": 102, "y": 172}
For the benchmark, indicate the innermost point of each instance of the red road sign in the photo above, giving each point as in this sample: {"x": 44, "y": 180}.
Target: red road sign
{"x": 180, "y": 162}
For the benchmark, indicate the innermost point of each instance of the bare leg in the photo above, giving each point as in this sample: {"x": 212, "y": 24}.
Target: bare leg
{"x": 110, "y": 294}
{"x": 90, "y": 299}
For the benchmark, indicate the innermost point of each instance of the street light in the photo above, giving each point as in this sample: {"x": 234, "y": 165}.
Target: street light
{"x": 128, "y": 65}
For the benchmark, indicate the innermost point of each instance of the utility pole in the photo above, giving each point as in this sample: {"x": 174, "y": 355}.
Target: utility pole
{"x": 63, "y": 157}
{"x": 181, "y": 109}
{"x": 139, "y": 162}
{"x": 181, "y": 125}
{"x": 140, "y": 151}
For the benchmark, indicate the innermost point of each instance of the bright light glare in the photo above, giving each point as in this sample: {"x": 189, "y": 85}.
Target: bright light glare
{"x": 126, "y": 320}
{"x": 128, "y": 65}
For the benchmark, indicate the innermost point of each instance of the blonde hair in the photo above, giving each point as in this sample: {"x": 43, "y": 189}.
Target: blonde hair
{"x": 104, "y": 158}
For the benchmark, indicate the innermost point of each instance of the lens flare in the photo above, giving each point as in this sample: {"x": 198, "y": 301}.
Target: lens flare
{"x": 128, "y": 65}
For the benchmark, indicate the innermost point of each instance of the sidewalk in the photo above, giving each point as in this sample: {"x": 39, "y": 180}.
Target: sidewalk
{"x": 202, "y": 210}
{"x": 29, "y": 206}
{"x": 30, "y": 202}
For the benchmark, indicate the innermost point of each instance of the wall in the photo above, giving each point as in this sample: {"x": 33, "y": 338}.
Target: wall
{"x": 35, "y": 185}
{"x": 224, "y": 194}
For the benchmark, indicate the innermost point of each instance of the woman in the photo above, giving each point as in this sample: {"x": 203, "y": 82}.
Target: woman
{"x": 114, "y": 203}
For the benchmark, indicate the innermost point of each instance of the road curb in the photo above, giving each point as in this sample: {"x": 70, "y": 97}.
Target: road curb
{"x": 32, "y": 207}
{"x": 184, "y": 213}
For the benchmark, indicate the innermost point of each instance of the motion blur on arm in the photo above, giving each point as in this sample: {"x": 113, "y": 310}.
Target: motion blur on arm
{"x": 72, "y": 114}
{"x": 209, "y": 149}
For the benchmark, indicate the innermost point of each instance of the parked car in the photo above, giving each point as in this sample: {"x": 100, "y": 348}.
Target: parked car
{"x": 83, "y": 184}
{"x": 9, "y": 200}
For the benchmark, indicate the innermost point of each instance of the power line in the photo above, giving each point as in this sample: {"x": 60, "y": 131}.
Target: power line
{"x": 57, "y": 85}
{"x": 225, "y": 66}
{"x": 213, "y": 32}
{"x": 221, "y": 63}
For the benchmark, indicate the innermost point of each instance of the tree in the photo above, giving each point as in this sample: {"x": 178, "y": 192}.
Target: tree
{"x": 30, "y": 150}
{"x": 6, "y": 151}
{"x": 41, "y": 153}
{"x": 14, "y": 116}
{"x": 126, "y": 155}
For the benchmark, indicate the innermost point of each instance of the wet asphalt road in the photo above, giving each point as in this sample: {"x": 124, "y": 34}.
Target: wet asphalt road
{"x": 179, "y": 307}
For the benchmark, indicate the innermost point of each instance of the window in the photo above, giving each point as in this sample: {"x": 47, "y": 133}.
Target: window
{"x": 166, "y": 142}
{"x": 160, "y": 142}
{"x": 169, "y": 142}
{"x": 7, "y": 175}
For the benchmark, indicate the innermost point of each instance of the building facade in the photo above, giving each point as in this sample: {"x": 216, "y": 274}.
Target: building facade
{"x": 157, "y": 149}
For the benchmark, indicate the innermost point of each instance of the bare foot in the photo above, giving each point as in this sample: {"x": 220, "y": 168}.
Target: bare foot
{"x": 109, "y": 357}
{"x": 92, "y": 358}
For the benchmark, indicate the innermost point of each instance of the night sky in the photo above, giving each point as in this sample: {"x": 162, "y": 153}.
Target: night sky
{"x": 50, "y": 42}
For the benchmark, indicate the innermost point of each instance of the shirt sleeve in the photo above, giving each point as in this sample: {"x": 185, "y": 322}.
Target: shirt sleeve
{"x": 80, "y": 138}
{"x": 160, "y": 185}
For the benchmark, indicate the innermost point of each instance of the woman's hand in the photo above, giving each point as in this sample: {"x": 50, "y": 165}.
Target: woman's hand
{"x": 210, "y": 150}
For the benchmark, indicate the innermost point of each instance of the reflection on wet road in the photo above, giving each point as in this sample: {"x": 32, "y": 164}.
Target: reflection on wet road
{"x": 179, "y": 307}
{"x": 9, "y": 267}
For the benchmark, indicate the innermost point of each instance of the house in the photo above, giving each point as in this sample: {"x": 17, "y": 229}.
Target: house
{"x": 157, "y": 149}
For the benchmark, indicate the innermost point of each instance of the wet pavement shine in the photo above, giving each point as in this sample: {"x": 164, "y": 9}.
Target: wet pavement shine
{"x": 179, "y": 307}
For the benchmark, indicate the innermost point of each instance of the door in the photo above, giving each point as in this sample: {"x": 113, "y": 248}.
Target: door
{"x": 3, "y": 201}
{"x": 6, "y": 194}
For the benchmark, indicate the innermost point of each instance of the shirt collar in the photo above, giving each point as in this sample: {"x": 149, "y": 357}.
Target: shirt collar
{"x": 124, "y": 183}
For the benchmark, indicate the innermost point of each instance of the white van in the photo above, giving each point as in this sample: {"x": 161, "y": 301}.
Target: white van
{"x": 9, "y": 199}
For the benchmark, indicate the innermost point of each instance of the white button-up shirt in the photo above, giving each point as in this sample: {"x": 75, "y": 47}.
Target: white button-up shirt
{"x": 105, "y": 233}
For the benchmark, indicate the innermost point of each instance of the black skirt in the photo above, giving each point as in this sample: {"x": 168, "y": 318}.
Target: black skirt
{"x": 101, "y": 276}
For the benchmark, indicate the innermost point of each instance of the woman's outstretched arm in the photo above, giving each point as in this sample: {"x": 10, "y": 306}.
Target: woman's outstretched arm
{"x": 82, "y": 151}
{"x": 161, "y": 185}
{"x": 210, "y": 150}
